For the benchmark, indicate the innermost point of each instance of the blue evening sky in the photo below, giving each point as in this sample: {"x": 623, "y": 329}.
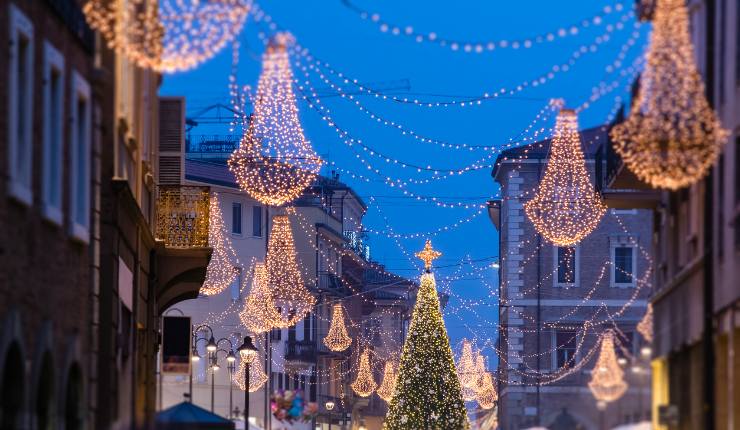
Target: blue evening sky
{"x": 357, "y": 48}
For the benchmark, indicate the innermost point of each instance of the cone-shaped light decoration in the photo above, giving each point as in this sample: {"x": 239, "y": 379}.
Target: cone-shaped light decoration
{"x": 167, "y": 35}
{"x": 289, "y": 293}
{"x": 388, "y": 385}
{"x": 487, "y": 396}
{"x": 337, "y": 339}
{"x": 607, "y": 378}
{"x": 220, "y": 272}
{"x": 645, "y": 326}
{"x": 480, "y": 371}
{"x": 364, "y": 385}
{"x": 466, "y": 366}
{"x": 672, "y": 135}
{"x": 259, "y": 314}
{"x": 257, "y": 376}
{"x": 274, "y": 162}
{"x": 428, "y": 393}
{"x": 566, "y": 207}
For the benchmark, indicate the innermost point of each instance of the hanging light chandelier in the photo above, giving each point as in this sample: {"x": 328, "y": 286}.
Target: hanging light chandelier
{"x": 167, "y": 35}
{"x": 337, "y": 339}
{"x": 566, "y": 207}
{"x": 672, "y": 135}
{"x": 220, "y": 272}
{"x": 607, "y": 378}
{"x": 290, "y": 296}
{"x": 364, "y": 384}
{"x": 259, "y": 314}
{"x": 645, "y": 326}
{"x": 275, "y": 162}
{"x": 487, "y": 396}
{"x": 257, "y": 376}
{"x": 466, "y": 369}
{"x": 388, "y": 385}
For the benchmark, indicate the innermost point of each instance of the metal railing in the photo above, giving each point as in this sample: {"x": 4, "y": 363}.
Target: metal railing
{"x": 183, "y": 216}
{"x": 357, "y": 241}
{"x": 300, "y": 350}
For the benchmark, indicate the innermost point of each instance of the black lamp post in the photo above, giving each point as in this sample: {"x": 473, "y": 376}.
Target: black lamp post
{"x": 329, "y": 405}
{"x": 247, "y": 351}
{"x": 195, "y": 357}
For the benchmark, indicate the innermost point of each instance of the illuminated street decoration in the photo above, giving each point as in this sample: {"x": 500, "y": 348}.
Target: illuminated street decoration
{"x": 167, "y": 35}
{"x": 257, "y": 376}
{"x": 672, "y": 135}
{"x": 388, "y": 385}
{"x": 288, "y": 290}
{"x": 337, "y": 339}
{"x": 487, "y": 396}
{"x": 466, "y": 366}
{"x": 364, "y": 384}
{"x": 645, "y": 326}
{"x": 259, "y": 314}
{"x": 221, "y": 270}
{"x": 566, "y": 208}
{"x": 607, "y": 378}
{"x": 275, "y": 162}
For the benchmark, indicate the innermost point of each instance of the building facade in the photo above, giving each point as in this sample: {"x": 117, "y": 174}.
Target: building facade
{"x": 556, "y": 301}
{"x": 47, "y": 148}
{"x": 697, "y": 234}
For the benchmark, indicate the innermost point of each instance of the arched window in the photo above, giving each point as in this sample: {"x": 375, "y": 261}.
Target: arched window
{"x": 45, "y": 394}
{"x": 73, "y": 410}
{"x": 11, "y": 403}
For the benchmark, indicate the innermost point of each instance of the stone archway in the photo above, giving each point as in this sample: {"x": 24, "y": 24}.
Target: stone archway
{"x": 12, "y": 389}
{"x": 44, "y": 399}
{"x": 74, "y": 414}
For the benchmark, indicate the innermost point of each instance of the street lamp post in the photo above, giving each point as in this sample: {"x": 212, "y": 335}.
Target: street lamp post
{"x": 195, "y": 357}
{"x": 247, "y": 351}
{"x": 329, "y": 405}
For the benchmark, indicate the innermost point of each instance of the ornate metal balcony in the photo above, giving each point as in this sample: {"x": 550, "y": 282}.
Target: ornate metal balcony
{"x": 182, "y": 217}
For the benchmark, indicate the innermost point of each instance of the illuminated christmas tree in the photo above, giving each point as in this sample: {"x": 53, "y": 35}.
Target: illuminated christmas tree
{"x": 428, "y": 391}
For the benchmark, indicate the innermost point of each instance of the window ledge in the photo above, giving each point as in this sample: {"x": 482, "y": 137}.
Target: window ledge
{"x": 21, "y": 193}
{"x": 52, "y": 214}
{"x": 80, "y": 233}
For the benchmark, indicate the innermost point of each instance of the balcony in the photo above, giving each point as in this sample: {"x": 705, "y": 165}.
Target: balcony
{"x": 181, "y": 233}
{"x": 300, "y": 354}
{"x": 357, "y": 242}
{"x": 620, "y": 187}
{"x": 182, "y": 217}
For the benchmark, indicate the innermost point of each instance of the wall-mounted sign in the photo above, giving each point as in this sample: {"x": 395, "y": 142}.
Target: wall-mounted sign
{"x": 176, "y": 338}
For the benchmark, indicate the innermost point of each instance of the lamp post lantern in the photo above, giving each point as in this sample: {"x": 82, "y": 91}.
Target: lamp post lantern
{"x": 329, "y": 405}
{"x": 247, "y": 351}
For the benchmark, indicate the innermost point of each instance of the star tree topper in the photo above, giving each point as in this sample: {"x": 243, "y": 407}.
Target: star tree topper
{"x": 427, "y": 255}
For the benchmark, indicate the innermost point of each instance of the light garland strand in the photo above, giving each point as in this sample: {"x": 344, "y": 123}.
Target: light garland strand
{"x": 672, "y": 135}
{"x": 275, "y": 162}
{"x": 289, "y": 293}
{"x": 567, "y": 207}
{"x": 167, "y": 35}
{"x": 337, "y": 339}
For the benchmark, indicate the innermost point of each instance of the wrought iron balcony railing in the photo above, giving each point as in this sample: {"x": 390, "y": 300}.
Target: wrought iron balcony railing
{"x": 183, "y": 216}
{"x": 357, "y": 241}
{"x": 300, "y": 351}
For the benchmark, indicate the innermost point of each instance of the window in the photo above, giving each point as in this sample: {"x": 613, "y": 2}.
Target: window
{"x": 565, "y": 348}
{"x": 257, "y": 221}
{"x": 236, "y": 286}
{"x": 80, "y": 132}
{"x": 624, "y": 261}
{"x": 20, "y": 106}
{"x": 53, "y": 131}
{"x": 566, "y": 265}
{"x": 236, "y": 218}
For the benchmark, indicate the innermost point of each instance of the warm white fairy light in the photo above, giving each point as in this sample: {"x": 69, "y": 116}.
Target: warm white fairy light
{"x": 167, "y": 35}
{"x": 364, "y": 385}
{"x": 466, "y": 366}
{"x": 221, "y": 270}
{"x": 257, "y": 376}
{"x": 275, "y": 162}
{"x": 283, "y": 276}
{"x": 672, "y": 135}
{"x": 259, "y": 314}
{"x": 645, "y": 326}
{"x": 566, "y": 207}
{"x": 388, "y": 385}
{"x": 607, "y": 378}
{"x": 337, "y": 339}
